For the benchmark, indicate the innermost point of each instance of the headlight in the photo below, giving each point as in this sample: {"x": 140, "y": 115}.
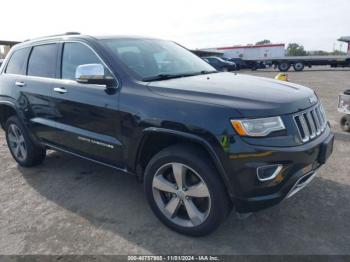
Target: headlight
{"x": 258, "y": 126}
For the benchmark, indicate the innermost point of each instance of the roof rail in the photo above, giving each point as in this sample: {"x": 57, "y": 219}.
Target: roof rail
{"x": 41, "y": 37}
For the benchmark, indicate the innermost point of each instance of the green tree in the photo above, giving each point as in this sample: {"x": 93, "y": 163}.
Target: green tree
{"x": 263, "y": 42}
{"x": 318, "y": 52}
{"x": 338, "y": 52}
{"x": 295, "y": 49}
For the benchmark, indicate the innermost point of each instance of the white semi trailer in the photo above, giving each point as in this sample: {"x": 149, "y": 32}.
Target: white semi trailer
{"x": 251, "y": 52}
{"x": 299, "y": 62}
{"x": 274, "y": 54}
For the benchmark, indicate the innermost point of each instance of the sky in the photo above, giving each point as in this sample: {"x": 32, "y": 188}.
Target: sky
{"x": 316, "y": 24}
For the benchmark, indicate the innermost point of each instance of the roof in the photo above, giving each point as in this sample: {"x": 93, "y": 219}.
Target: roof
{"x": 73, "y": 36}
{"x": 122, "y": 36}
{"x": 76, "y": 34}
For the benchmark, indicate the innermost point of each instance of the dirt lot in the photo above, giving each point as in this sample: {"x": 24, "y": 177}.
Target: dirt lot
{"x": 70, "y": 206}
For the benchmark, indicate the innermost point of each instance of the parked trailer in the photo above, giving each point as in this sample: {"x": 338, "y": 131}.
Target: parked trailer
{"x": 299, "y": 62}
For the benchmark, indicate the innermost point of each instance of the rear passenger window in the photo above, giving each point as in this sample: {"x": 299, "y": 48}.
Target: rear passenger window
{"x": 42, "y": 61}
{"x": 18, "y": 62}
{"x": 75, "y": 54}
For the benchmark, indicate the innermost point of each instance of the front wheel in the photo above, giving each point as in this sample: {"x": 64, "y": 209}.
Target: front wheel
{"x": 185, "y": 191}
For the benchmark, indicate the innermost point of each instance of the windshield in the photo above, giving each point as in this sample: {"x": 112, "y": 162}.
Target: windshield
{"x": 150, "y": 59}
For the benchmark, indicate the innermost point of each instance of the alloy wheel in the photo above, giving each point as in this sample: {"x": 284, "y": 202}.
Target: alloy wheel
{"x": 16, "y": 142}
{"x": 181, "y": 194}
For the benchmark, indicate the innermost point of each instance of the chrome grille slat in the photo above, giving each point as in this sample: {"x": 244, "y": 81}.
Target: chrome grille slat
{"x": 310, "y": 123}
{"x": 305, "y": 128}
{"x": 320, "y": 118}
{"x": 323, "y": 116}
{"x": 317, "y": 122}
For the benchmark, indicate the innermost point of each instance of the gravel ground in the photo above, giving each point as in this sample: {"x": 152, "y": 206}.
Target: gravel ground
{"x": 71, "y": 206}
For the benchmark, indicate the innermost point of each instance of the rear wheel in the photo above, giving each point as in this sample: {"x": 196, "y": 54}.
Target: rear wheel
{"x": 299, "y": 66}
{"x": 283, "y": 66}
{"x": 224, "y": 69}
{"x": 185, "y": 191}
{"x": 345, "y": 123}
{"x": 22, "y": 148}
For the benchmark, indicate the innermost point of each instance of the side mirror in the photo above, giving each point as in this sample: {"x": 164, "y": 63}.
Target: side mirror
{"x": 93, "y": 74}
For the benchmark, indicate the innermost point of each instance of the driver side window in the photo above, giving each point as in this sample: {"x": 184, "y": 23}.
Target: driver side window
{"x": 75, "y": 54}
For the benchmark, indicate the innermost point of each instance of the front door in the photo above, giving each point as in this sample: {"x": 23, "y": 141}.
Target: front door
{"x": 87, "y": 119}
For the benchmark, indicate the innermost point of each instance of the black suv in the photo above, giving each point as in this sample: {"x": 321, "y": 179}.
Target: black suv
{"x": 202, "y": 141}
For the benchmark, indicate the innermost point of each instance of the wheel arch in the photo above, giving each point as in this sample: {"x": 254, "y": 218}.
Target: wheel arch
{"x": 172, "y": 137}
{"x": 7, "y": 109}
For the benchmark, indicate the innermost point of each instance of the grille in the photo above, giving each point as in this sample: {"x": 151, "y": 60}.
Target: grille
{"x": 311, "y": 123}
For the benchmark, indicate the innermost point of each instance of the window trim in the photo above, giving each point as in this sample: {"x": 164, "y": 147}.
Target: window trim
{"x": 30, "y": 54}
{"x": 60, "y": 60}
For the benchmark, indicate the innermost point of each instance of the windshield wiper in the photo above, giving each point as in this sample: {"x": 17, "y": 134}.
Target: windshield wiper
{"x": 204, "y": 72}
{"x": 170, "y": 76}
{"x": 166, "y": 76}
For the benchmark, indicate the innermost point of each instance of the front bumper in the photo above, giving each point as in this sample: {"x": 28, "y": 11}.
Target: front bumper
{"x": 300, "y": 164}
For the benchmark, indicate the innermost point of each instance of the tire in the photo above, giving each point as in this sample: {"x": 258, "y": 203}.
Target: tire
{"x": 284, "y": 66}
{"x": 22, "y": 148}
{"x": 211, "y": 200}
{"x": 224, "y": 69}
{"x": 298, "y": 66}
{"x": 345, "y": 123}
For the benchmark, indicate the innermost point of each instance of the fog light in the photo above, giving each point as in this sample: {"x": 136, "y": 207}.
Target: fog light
{"x": 265, "y": 173}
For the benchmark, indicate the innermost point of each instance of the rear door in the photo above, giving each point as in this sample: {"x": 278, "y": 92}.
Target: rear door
{"x": 15, "y": 69}
{"x": 34, "y": 90}
{"x": 87, "y": 114}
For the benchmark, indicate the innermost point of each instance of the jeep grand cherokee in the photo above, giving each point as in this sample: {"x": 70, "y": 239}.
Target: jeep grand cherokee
{"x": 202, "y": 141}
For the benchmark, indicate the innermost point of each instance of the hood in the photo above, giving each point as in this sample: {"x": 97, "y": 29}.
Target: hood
{"x": 251, "y": 96}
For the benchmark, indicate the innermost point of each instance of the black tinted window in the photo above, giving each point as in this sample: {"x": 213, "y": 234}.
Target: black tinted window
{"x": 18, "y": 62}
{"x": 42, "y": 61}
{"x": 75, "y": 54}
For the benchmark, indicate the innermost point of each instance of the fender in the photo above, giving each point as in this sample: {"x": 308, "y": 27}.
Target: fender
{"x": 196, "y": 139}
{"x": 15, "y": 107}
{"x": 22, "y": 118}
{"x": 11, "y": 104}
{"x": 5, "y": 102}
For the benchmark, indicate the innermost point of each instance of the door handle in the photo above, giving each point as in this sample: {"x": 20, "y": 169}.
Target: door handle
{"x": 60, "y": 90}
{"x": 20, "y": 84}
